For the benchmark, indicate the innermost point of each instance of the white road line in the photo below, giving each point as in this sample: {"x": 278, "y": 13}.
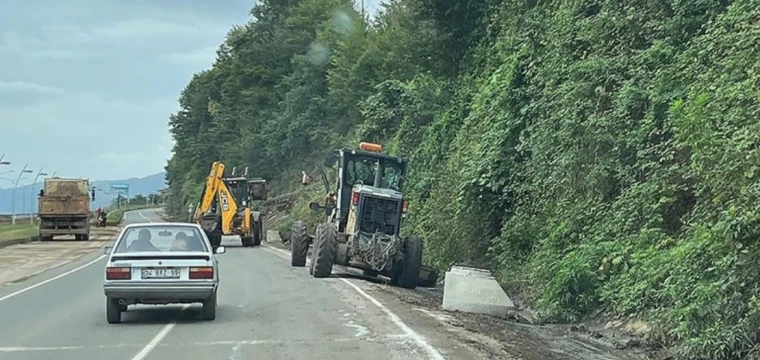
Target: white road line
{"x": 11, "y": 349}
{"x": 143, "y": 216}
{"x": 39, "y": 348}
{"x": 6, "y": 297}
{"x": 157, "y": 339}
{"x": 409, "y": 332}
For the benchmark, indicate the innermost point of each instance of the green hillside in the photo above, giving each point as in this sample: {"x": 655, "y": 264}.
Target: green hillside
{"x": 598, "y": 155}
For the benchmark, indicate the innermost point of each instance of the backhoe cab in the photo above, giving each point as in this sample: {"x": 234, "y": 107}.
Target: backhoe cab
{"x": 225, "y": 207}
{"x": 364, "y": 220}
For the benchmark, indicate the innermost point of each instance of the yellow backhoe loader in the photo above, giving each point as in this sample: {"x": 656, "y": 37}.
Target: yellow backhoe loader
{"x": 225, "y": 207}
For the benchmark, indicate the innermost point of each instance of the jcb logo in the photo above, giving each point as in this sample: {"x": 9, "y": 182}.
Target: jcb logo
{"x": 225, "y": 202}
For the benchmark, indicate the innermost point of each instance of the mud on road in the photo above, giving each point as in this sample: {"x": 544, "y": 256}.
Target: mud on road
{"x": 22, "y": 261}
{"x": 499, "y": 338}
{"x": 506, "y": 338}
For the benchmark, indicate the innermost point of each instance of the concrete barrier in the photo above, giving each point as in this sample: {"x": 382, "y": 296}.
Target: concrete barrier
{"x": 475, "y": 291}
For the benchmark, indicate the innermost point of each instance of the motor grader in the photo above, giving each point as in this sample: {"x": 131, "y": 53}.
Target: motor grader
{"x": 364, "y": 215}
{"x": 225, "y": 207}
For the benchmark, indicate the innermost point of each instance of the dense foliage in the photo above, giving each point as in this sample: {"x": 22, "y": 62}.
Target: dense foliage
{"x": 597, "y": 154}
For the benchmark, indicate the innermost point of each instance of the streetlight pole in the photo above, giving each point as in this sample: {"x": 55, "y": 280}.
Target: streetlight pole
{"x": 13, "y": 193}
{"x": 31, "y": 195}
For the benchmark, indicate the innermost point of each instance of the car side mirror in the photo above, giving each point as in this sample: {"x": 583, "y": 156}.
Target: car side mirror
{"x": 315, "y": 205}
{"x": 107, "y": 250}
{"x": 220, "y": 250}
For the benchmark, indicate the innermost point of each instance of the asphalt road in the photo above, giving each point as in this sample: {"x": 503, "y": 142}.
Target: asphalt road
{"x": 266, "y": 310}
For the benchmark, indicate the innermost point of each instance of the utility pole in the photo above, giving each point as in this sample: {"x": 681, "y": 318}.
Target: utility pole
{"x": 13, "y": 193}
{"x": 31, "y": 195}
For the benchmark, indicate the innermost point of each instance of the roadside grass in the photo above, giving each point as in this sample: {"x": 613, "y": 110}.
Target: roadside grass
{"x": 18, "y": 231}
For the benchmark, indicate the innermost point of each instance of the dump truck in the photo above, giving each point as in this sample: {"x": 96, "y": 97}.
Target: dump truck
{"x": 64, "y": 208}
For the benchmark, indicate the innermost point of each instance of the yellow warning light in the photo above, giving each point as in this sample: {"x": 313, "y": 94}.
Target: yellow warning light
{"x": 366, "y": 146}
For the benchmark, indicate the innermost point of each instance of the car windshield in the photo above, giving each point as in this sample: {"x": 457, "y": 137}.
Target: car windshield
{"x": 170, "y": 238}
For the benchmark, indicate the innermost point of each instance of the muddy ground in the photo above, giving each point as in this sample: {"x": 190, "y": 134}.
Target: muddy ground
{"x": 509, "y": 337}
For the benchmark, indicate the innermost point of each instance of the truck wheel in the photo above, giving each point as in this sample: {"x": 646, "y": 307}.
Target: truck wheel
{"x": 325, "y": 246}
{"x": 408, "y": 274}
{"x": 247, "y": 241}
{"x": 113, "y": 310}
{"x": 372, "y": 273}
{"x": 215, "y": 238}
{"x": 257, "y": 233}
{"x": 299, "y": 244}
{"x": 209, "y": 308}
{"x": 86, "y": 237}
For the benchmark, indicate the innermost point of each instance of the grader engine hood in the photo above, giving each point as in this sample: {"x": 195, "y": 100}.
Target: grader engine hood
{"x": 377, "y": 210}
{"x": 375, "y": 220}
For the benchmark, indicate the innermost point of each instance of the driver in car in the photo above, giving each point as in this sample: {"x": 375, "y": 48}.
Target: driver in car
{"x": 143, "y": 242}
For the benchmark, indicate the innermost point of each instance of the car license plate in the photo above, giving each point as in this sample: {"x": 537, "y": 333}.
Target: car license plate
{"x": 167, "y": 273}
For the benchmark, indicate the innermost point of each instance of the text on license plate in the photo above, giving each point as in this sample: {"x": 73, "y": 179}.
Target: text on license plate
{"x": 168, "y": 273}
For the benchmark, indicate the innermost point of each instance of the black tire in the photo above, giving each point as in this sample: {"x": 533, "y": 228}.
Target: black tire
{"x": 325, "y": 247}
{"x": 46, "y": 238}
{"x": 86, "y": 237}
{"x": 113, "y": 310}
{"x": 246, "y": 241}
{"x": 408, "y": 274}
{"x": 371, "y": 273}
{"x": 215, "y": 236}
{"x": 299, "y": 244}
{"x": 258, "y": 235}
{"x": 209, "y": 308}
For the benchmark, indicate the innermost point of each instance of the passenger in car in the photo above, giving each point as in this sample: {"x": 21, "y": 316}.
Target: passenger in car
{"x": 143, "y": 242}
{"x": 180, "y": 242}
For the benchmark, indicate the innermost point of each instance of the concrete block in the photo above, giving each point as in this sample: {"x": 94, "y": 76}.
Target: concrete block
{"x": 475, "y": 291}
{"x": 273, "y": 236}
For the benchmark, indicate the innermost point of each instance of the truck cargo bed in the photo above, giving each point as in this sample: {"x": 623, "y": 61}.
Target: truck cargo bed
{"x": 64, "y": 206}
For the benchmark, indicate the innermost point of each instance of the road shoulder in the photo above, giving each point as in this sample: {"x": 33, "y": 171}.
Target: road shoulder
{"x": 36, "y": 261}
{"x": 490, "y": 336}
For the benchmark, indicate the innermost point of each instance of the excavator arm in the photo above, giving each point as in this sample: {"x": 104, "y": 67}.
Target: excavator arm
{"x": 217, "y": 192}
{"x": 210, "y": 189}
{"x": 229, "y": 208}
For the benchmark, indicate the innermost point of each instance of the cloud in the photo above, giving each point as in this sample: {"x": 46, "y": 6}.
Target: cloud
{"x": 133, "y": 31}
{"x": 201, "y": 57}
{"x": 27, "y": 87}
{"x": 88, "y": 85}
{"x": 89, "y": 135}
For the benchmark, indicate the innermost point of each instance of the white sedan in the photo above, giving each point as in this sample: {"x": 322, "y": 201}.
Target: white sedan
{"x": 161, "y": 263}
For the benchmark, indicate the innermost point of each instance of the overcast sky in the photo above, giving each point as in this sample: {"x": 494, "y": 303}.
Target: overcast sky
{"x": 87, "y": 86}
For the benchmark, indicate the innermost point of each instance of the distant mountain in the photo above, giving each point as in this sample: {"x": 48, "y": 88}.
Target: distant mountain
{"x": 28, "y": 194}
